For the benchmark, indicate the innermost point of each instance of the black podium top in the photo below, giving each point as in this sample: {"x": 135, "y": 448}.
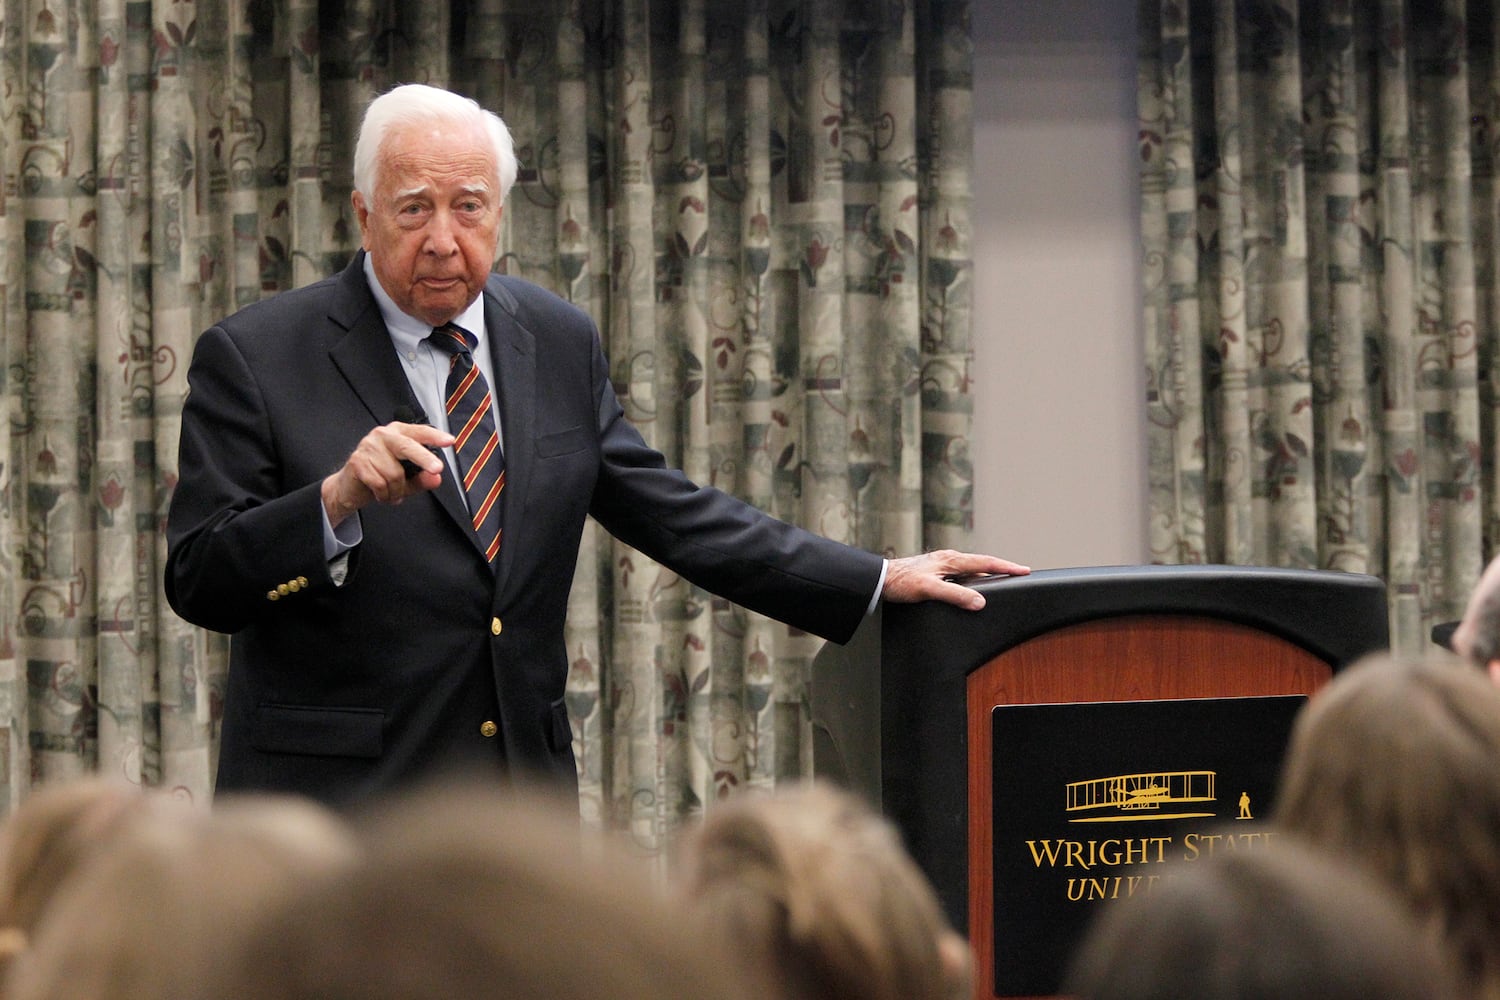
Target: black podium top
{"x": 1337, "y": 617}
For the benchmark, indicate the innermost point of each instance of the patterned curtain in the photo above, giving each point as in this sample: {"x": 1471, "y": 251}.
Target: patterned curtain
{"x": 1320, "y": 219}
{"x": 764, "y": 205}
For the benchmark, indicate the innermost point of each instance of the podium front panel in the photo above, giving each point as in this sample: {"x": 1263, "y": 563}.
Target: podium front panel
{"x": 1214, "y": 704}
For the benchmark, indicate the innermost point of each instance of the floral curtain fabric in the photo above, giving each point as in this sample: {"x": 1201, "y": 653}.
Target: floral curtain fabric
{"x": 764, "y": 205}
{"x": 1319, "y": 223}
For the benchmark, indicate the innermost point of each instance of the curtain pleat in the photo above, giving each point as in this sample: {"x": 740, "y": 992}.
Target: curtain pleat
{"x": 1399, "y": 438}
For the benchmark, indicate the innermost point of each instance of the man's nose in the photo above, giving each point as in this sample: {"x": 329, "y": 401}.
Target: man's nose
{"x": 440, "y": 239}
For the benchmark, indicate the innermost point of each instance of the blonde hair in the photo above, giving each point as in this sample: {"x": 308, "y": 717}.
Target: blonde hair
{"x": 816, "y": 890}
{"x": 1396, "y": 765}
{"x": 146, "y": 914}
{"x": 466, "y": 891}
{"x": 50, "y": 834}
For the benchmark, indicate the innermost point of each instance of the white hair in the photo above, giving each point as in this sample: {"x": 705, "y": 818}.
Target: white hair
{"x": 418, "y": 104}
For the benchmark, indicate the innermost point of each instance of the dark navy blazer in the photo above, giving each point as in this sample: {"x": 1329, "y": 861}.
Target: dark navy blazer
{"x": 342, "y": 691}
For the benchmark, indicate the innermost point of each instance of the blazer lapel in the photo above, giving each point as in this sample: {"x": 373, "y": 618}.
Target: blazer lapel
{"x": 513, "y": 355}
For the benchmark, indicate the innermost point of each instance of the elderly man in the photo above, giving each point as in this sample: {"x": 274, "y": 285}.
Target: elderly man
{"x": 403, "y": 613}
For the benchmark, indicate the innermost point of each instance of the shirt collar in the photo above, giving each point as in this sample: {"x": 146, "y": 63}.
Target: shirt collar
{"x": 408, "y": 331}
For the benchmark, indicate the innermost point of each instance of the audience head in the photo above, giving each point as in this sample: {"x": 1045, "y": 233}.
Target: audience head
{"x": 1281, "y": 922}
{"x": 149, "y": 911}
{"x": 1396, "y": 766}
{"x": 815, "y": 890}
{"x": 1477, "y": 637}
{"x": 472, "y": 892}
{"x": 46, "y": 838}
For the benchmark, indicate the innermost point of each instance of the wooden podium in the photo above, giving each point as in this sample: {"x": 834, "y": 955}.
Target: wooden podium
{"x": 1081, "y": 710}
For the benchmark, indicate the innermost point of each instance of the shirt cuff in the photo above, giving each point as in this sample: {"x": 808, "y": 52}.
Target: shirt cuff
{"x": 885, "y": 564}
{"x": 338, "y": 541}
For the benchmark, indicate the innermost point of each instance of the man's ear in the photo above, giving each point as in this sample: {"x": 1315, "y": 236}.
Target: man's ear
{"x": 362, "y": 216}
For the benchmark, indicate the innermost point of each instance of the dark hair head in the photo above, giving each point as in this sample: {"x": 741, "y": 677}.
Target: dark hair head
{"x": 1282, "y": 922}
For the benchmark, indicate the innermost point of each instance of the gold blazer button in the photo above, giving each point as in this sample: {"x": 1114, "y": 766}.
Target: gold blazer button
{"x": 495, "y": 626}
{"x": 488, "y": 729}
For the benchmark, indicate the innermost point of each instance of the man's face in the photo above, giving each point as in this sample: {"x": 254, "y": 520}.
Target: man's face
{"x": 433, "y": 223}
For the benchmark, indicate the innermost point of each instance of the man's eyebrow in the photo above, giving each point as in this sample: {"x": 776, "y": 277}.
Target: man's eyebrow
{"x": 423, "y": 191}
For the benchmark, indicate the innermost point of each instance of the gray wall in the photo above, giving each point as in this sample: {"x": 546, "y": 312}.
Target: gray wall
{"x": 1059, "y": 412}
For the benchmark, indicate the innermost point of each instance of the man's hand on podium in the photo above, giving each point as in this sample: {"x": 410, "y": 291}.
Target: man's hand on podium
{"x": 940, "y": 576}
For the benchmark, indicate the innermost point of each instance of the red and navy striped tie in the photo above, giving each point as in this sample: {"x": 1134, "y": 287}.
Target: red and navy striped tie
{"x": 471, "y": 421}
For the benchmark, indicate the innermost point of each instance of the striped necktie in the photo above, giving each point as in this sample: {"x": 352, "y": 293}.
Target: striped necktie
{"x": 477, "y": 447}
